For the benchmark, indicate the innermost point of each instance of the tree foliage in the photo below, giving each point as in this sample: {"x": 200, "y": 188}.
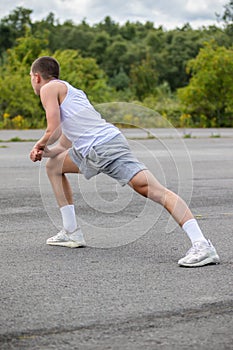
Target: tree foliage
{"x": 210, "y": 90}
{"x": 17, "y": 97}
{"x": 131, "y": 61}
{"x": 85, "y": 74}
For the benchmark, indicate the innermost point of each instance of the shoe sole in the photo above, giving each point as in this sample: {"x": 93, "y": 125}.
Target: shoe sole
{"x": 68, "y": 244}
{"x": 208, "y": 261}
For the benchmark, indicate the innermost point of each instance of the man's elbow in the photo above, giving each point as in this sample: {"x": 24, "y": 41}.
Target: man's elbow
{"x": 53, "y": 135}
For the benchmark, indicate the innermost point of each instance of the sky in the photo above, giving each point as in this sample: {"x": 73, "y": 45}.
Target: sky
{"x": 168, "y": 13}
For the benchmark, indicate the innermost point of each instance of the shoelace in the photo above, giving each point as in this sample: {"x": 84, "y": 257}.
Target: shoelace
{"x": 194, "y": 249}
{"x": 61, "y": 233}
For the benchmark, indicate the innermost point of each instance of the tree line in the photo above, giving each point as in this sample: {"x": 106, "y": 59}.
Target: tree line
{"x": 183, "y": 74}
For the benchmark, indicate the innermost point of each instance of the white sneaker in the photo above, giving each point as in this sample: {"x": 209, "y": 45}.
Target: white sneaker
{"x": 65, "y": 239}
{"x": 200, "y": 254}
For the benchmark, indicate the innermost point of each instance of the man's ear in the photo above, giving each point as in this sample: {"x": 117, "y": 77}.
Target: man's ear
{"x": 38, "y": 77}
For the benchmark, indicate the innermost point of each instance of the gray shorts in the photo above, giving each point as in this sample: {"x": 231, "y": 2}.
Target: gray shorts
{"x": 113, "y": 158}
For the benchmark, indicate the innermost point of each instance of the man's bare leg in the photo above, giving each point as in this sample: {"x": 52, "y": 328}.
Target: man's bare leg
{"x": 146, "y": 184}
{"x": 56, "y": 168}
{"x": 71, "y": 235}
{"x": 202, "y": 251}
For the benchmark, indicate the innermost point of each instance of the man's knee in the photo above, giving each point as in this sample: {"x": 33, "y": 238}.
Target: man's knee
{"x": 140, "y": 183}
{"x": 48, "y": 165}
{"x": 51, "y": 165}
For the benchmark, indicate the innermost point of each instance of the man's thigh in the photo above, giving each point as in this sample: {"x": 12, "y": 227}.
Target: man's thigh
{"x": 68, "y": 165}
{"x": 62, "y": 163}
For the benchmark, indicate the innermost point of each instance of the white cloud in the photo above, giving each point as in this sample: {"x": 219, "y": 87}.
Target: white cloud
{"x": 169, "y": 13}
{"x": 196, "y": 7}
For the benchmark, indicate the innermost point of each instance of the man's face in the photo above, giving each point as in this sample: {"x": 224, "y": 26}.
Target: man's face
{"x": 35, "y": 82}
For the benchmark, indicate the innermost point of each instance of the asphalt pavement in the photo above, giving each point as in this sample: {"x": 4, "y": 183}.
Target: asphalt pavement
{"x": 125, "y": 290}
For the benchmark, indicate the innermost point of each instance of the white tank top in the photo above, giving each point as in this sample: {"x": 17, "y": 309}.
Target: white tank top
{"x": 81, "y": 123}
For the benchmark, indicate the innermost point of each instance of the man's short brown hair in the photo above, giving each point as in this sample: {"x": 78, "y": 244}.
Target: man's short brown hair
{"x": 47, "y": 66}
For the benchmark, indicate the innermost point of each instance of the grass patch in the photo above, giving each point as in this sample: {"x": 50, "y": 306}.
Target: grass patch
{"x": 18, "y": 139}
{"x": 187, "y": 136}
{"x": 215, "y": 135}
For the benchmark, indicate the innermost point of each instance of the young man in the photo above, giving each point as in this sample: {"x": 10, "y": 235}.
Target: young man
{"x": 89, "y": 145}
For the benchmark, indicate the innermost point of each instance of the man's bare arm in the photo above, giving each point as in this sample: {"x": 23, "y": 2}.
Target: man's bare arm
{"x": 62, "y": 145}
{"x": 49, "y": 99}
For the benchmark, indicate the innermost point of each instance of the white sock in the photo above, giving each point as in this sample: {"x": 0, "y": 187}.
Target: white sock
{"x": 193, "y": 231}
{"x": 68, "y": 218}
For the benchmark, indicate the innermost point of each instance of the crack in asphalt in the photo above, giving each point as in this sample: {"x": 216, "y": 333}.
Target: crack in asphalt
{"x": 143, "y": 322}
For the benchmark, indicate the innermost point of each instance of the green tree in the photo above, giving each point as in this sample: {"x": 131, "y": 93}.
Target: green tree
{"x": 108, "y": 26}
{"x": 17, "y": 22}
{"x": 227, "y": 18}
{"x": 180, "y": 46}
{"x": 134, "y": 58}
{"x": 14, "y": 26}
{"x": 7, "y": 38}
{"x": 69, "y": 36}
{"x": 228, "y": 13}
{"x": 19, "y": 19}
{"x": 48, "y": 25}
{"x": 128, "y": 31}
{"x": 113, "y": 57}
{"x": 144, "y": 78}
{"x": 16, "y": 96}
{"x": 98, "y": 46}
{"x": 210, "y": 90}
{"x": 85, "y": 74}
